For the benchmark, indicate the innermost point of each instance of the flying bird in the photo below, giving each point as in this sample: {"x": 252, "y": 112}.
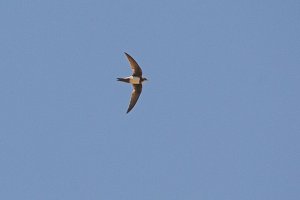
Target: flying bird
{"x": 136, "y": 79}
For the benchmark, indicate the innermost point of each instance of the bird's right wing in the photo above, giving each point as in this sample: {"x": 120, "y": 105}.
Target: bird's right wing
{"x": 136, "y": 70}
{"x": 137, "y": 90}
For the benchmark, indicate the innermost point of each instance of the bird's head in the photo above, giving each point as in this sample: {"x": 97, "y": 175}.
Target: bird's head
{"x": 145, "y": 79}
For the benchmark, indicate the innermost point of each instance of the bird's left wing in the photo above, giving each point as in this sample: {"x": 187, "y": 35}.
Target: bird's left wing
{"x": 137, "y": 90}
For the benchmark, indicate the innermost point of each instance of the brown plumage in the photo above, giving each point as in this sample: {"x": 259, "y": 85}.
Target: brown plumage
{"x": 136, "y": 80}
{"x": 135, "y": 94}
{"x": 136, "y": 70}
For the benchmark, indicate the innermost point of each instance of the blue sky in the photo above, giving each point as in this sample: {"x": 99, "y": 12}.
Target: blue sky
{"x": 219, "y": 118}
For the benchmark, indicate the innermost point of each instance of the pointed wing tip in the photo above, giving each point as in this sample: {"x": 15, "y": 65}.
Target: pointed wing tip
{"x": 127, "y": 55}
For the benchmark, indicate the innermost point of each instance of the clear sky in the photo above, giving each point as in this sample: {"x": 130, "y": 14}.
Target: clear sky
{"x": 218, "y": 119}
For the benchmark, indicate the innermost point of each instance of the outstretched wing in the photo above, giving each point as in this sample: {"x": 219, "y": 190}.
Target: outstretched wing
{"x": 136, "y": 70}
{"x": 137, "y": 90}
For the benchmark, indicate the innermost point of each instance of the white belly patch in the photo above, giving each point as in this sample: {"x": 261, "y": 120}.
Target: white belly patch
{"x": 134, "y": 80}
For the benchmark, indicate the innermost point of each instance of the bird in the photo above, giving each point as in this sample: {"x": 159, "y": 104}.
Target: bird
{"x": 136, "y": 79}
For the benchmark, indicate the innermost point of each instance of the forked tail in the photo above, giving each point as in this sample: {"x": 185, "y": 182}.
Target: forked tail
{"x": 126, "y": 80}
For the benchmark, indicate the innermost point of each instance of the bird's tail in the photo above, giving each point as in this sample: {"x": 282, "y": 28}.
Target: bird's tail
{"x": 126, "y": 80}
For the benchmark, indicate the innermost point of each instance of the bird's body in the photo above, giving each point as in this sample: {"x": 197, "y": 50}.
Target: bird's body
{"x": 136, "y": 79}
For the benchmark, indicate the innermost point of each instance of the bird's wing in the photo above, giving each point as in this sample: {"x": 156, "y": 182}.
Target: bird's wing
{"x": 137, "y": 90}
{"x": 136, "y": 70}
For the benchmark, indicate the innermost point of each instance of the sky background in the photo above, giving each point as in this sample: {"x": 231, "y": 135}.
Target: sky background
{"x": 218, "y": 119}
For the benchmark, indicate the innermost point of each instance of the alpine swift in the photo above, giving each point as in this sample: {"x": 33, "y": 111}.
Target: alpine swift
{"x": 136, "y": 79}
